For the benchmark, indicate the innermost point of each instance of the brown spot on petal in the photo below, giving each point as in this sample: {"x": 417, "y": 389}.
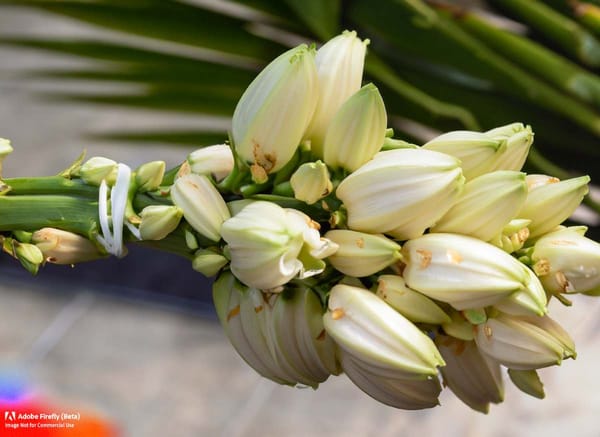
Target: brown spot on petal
{"x": 321, "y": 335}
{"x": 425, "y": 258}
{"x": 337, "y": 314}
{"x": 564, "y": 284}
{"x": 314, "y": 225}
{"x": 460, "y": 348}
{"x": 234, "y": 312}
{"x": 258, "y": 309}
{"x": 563, "y": 243}
{"x": 360, "y": 243}
{"x": 453, "y": 256}
{"x": 265, "y": 160}
{"x": 487, "y": 331}
{"x": 542, "y": 267}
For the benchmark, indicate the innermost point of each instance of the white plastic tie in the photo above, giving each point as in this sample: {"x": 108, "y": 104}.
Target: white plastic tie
{"x": 112, "y": 241}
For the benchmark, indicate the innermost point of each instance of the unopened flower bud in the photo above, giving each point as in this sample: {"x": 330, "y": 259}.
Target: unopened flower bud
{"x": 5, "y": 150}
{"x": 377, "y": 336}
{"x": 97, "y": 169}
{"x": 339, "y": 65}
{"x": 311, "y": 182}
{"x": 410, "y": 303}
{"x": 462, "y": 271}
{"x": 486, "y": 205}
{"x": 549, "y": 204}
{"x": 357, "y": 130}
{"x": 401, "y": 192}
{"x": 148, "y": 176}
{"x": 458, "y": 327}
{"x": 158, "y": 221}
{"x": 273, "y": 113}
{"x": 29, "y": 255}
{"x": 531, "y": 300}
{"x": 528, "y": 381}
{"x": 361, "y": 254}
{"x": 212, "y": 160}
{"x": 62, "y": 247}
{"x": 518, "y": 139}
{"x": 407, "y": 394}
{"x": 203, "y": 207}
{"x": 567, "y": 262}
{"x": 473, "y": 378}
{"x": 270, "y": 245}
{"x": 524, "y": 343}
{"x": 280, "y": 336}
{"x": 208, "y": 262}
{"x": 475, "y": 150}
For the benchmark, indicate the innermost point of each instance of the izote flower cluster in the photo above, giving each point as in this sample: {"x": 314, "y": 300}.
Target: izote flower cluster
{"x": 340, "y": 249}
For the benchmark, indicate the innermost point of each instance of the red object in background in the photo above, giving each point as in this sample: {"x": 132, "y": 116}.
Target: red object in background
{"x": 25, "y": 414}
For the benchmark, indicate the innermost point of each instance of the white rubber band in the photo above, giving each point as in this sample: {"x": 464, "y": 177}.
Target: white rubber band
{"x": 113, "y": 241}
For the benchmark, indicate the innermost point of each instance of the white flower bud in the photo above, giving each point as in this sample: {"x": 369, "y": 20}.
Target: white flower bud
{"x": 531, "y": 300}
{"x": 503, "y": 148}
{"x": 62, "y": 247}
{"x": 401, "y": 192}
{"x": 5, "y": 150}
{"x": 280, "y": 336}
{"x": 357, "y": 130}
{"x": 474, "y": 378}
{"x": 524, "y": 343}
{"x": 97, "y": 169}
{"x": 475, "y": 150}
{"x": 567, "y": 262}
{"x": 410, "y": 303}
{"x": 203, "y": 207}
{"x": 407, "y": 394}
{"x": 158, "y": 221}
{"x": 273, "y": 113}
{"x": 462, "y": 271}
{"x": 311, "y": 182}
{"x": 270, "y": 245}
{"x": 518, "y": 139}
{"x": 372, "y": 332}
{"x": 486, "y": 205}
{"x": 340, "y": 64}
{"x": 361, "y": 254}
{"x": 212, "y": 160}
{"x": 549, "y": 204}
{"x": 149, "y": 175}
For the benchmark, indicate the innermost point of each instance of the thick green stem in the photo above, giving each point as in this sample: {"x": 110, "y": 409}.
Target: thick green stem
{"x": 568, "y": 76}
{"x": 51, "y": 185}
{"x": 560, "y": 29}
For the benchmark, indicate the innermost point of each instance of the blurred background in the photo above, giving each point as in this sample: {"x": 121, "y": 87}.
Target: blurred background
{"x": 135, "y": 341}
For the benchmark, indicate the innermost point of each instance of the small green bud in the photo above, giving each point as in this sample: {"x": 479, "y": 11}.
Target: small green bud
{"x": 528, "y": 381}
{"x": 148, "y": 176}
{"x": 458, "y": 327}
{"x": 5, "y": 150}
{"x": 203, "y": 207}
{"x": 208, "y": 262}
{"x": 311, "y": 182}
{"x": 411, "y": 304}
{"x": 361, "y": 254}
{"x": 97, "y": 169}
{"x": 357, "y": 131}
{"x": 29, "y": 255}
{"x": 158, "y": 221}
